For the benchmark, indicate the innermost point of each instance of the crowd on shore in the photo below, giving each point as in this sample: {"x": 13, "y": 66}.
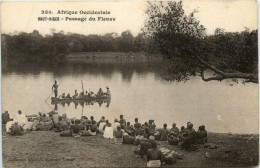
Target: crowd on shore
{"x": 121, "y": 132}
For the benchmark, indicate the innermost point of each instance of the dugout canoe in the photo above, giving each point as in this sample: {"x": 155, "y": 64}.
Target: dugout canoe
{"x": 84, "y": 99}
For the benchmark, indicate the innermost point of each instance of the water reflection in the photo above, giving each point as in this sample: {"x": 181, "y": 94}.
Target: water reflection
{"x": 106, "y": 103}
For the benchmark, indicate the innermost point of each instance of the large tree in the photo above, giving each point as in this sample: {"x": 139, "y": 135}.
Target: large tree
{"x": 182, "y": 40}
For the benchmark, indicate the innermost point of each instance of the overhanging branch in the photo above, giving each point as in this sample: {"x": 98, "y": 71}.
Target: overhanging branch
{"x": 224, "y": 75}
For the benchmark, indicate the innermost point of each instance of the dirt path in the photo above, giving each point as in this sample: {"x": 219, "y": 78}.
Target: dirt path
{"x": 48, "y": 149}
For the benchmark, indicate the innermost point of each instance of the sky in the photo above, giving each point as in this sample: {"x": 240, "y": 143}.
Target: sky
{"x": 231, "y": 15}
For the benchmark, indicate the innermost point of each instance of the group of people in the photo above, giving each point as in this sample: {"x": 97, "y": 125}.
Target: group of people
{"x": 119, "y": 131}
{"x": 79, "y": 95}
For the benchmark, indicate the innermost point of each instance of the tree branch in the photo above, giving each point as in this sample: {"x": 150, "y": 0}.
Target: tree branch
{"x": 223, "y": 75}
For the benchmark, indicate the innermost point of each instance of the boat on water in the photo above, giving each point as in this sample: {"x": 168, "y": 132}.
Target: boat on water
{"x": 81, "y": 99}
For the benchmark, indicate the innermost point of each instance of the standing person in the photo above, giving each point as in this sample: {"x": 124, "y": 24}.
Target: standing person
{"x": 55, "y": 88}
{"x": 164, "y": 133}
{"x": 137, "y": 124}
{"x": 154, "y": 156}
{"x": 5, "y": 119}
{"x": 122, "y": 122}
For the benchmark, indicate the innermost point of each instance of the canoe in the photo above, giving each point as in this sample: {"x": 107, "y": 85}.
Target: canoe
{"x": 83, "y": 99}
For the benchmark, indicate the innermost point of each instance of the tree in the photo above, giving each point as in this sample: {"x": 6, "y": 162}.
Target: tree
{"x": 190, "y": 52}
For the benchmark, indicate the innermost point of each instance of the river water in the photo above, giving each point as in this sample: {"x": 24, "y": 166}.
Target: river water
{"x": 137, "y": 91}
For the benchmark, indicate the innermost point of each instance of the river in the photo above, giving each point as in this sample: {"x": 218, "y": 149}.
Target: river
{"x": 137, "y": 91}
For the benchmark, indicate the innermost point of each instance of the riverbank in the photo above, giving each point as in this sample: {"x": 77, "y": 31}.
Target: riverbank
{"x": 115, "y": 55}
{"x": 48, "y": 149}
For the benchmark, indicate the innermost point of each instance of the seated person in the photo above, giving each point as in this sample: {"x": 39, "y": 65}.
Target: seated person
{"x": 129, "y": 129}
{"x": 63, "y": 125}
{"x": 146, "y": 130}
{"x": 173, "y": 138}
{"x": 154, "y": 156}
{"x": 76, "y": 95}
{"x": 75, "y": 129}
{"x": 16, "y": 129}
{"x": 175, "y": 129}
{"x": 201, "y": 135}
{"x": 93, "y": 128}
{"x": 145, "y": 145}
{"x": 63, "y": 96}
{"x": 68, "y": 96}
{"x": 100, "y": 92}
{"x": 108, "y": 91}
{"x": 152, "y": 127}
{"x": 44, "y": 118}
{"x": 118, "y": 135}
{"x": 164, "y": 133}
{"x": 139, "y": 131}
{"x": 188, "y": 137}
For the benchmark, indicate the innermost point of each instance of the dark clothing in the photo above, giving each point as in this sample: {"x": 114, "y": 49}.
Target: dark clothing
{"x": 55, "y": 87}
{"x": 5, "y": 118}
{"x": 16, "y": 129}
{"x": 164, "y": 134}
{"x": 118, "y": 134}
{"x": 176, "y": 130}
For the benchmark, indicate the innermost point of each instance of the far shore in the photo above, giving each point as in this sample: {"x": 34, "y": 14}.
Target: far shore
{"x": 116, "y": 55}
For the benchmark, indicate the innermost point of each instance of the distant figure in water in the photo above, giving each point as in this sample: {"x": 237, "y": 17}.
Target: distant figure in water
{"x": 76, "y": 95}
{"x": 55, "y": 89}
{"x": 63, "y": 96}
{"x": 108, "y": 91}
{"x": 68, "y": 96}
{"x": 100, "y": 92}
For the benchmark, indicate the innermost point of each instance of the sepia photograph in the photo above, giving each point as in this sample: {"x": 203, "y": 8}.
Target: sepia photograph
{"x": 129, "y": 84}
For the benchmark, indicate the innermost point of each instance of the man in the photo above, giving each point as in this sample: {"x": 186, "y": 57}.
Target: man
{"x": 55, "y": 89}
{"x": 145, "y": 146}
{"x": 20, "y": 118}
{"x": 139, "y": 131}
{"x": 5, "y": 119}
{"x": 100, "y": 92}
{"x": 154, "y": 156}
{"x": 188, "y": 137}
{"x": 129, "y": 129}
{"x": 175, "y": 129}
{"x": 115, "y": 124}
{"x": 16, "y": 129}
{"x": 118, "y": 136}
{"x": 137, "y": 124}
{"x": 108, "y": 91}
{"x": 122, "y": 122}
{"x": 164, "y": 133}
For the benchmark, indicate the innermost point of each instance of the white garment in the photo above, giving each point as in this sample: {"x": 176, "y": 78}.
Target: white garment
{"x": 108, "y": 133}
{"x": 114, "y": 125}
{"x": 101, "y": 126}
{"x": 9, "y": 125}
{"x": 21, "y": 119}
{"x": 154, "y": 163}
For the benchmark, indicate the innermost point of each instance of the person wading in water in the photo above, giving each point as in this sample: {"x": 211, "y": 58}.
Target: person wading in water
{"x": 55, "y": 88}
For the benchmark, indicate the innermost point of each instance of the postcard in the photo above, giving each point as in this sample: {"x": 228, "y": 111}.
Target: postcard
{"x": 129, "y": 83}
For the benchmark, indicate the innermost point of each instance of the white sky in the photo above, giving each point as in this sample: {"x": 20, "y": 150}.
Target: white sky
{"x": 232, "y": 15}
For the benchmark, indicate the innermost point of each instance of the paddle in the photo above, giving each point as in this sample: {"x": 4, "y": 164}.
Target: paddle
{"x": 51, "y": 93}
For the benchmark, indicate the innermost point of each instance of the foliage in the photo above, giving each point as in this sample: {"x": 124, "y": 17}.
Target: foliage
{"x": 33, "y": 47}
{"x": 183, "y": 41}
